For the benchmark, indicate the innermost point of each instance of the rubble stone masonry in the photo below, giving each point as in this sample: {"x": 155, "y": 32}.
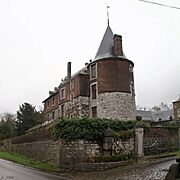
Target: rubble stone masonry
{"x": 77, "y": 107}
{"x": 116, "y": 105}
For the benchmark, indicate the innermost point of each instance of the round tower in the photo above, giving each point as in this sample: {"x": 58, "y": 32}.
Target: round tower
{"x": 111, "y": 80}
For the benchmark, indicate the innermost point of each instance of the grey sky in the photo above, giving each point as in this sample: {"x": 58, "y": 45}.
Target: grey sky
{"x": 38, "y": 38}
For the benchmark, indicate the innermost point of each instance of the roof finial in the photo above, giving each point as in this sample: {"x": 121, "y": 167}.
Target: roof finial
{"x": 108, "y": 15}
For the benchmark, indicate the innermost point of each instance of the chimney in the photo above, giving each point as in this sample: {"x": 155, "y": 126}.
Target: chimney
{"x": 69, "y": 70}
{"x": 118, "y": 45}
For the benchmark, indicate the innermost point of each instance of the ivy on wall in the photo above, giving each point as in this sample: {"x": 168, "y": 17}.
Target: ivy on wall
{"x": 87, "y": 128}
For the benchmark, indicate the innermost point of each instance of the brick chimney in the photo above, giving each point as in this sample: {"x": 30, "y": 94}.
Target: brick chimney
{"x": 118, "y": 45}
{"x": 69, "y": 70}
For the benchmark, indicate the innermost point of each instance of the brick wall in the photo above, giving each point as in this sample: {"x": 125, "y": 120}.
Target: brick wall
{"x": 114, "y": 75}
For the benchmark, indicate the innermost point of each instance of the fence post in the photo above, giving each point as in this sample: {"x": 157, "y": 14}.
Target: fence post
{"x": 107, "y": 144}
{"x": 179, "y": 137}
{"x": 139, "y": 138}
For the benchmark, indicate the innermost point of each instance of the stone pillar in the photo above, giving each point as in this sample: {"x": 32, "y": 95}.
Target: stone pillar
{"x": 139, "y": 145}
{"x": 107, "y": 144}
{"x": 179, "y": 137}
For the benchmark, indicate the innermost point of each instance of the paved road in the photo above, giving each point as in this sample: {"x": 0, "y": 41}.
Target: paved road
{"x": 153, "y": 172}
{"x": 12, "y": 171}
{"x": 130, "y": 172}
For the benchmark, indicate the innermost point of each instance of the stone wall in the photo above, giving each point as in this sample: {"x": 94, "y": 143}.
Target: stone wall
{"x": 63, "y": 153}
{"x": 159, "y": 139}
{"x": 67, "y": 154}
{"x": 120, "y": 146}
{"x": 116, "y": 105}
{"x": 73, "y": 154}
{"x": 77, "y": 107}
{"x": 44, "y": 151}
{"x": 77, "y": 151}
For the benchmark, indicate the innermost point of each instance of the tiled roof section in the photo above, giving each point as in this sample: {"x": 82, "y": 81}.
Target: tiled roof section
{"x": 164, "y": 115}
{"x": 51, "y": 94}
{"x": 65, "y": 80}
{"x": 150, "y": 116}
{"x": 146, "y": 115}
{"x": 105, "y": 49}
{"x": 81, "y": 71}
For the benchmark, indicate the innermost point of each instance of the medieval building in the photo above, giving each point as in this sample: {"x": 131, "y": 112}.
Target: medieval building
{"x": 103, "y": 88}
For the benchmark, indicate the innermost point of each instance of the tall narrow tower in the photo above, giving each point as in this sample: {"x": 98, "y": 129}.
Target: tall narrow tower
{"x": 111, "y": 80}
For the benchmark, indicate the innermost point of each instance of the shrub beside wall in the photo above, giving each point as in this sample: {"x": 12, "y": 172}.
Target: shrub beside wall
{"x": 41, "y": 134}
{"x": 89, "y": 129}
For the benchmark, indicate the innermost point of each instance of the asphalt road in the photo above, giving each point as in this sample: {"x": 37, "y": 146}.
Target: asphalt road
{"x": 12, "y": 171}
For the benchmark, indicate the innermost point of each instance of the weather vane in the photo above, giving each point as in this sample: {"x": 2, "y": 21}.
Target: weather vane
{"x": 108, "y": 14}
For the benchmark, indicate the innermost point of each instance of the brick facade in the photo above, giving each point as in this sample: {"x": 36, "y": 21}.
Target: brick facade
{"x": 103, "y": 88}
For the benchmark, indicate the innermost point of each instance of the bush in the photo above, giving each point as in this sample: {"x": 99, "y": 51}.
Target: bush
{"x": 38, "y": 135}
{"x": 124, "y": 135}
{"x": 86, "y": 128}
{"x": 171, "y": 124}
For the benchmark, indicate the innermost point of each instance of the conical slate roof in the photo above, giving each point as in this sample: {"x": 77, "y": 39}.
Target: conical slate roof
{"x": 105, "y": 49}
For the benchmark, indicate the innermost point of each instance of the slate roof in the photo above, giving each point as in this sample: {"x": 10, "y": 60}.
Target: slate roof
{"x": 150, "y": 116}
{"x": 146, "y": 115}
{"x": 105, "y": 49}
{"x": 56, "y": 89}
{"x": 164, "y": 115}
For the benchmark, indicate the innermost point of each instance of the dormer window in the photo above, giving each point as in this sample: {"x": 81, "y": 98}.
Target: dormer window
{"x": 62, "y": 93}
{"x": 93, "y": 71}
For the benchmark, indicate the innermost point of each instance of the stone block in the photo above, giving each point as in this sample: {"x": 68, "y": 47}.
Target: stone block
{"x": 172, "y": 173}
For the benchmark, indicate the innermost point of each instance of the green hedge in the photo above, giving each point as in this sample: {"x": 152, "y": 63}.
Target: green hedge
{"x": 86, "y": 128}
{"x": 41, "y": 134}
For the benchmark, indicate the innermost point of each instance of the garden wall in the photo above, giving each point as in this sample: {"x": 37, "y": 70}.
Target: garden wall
{"x": 161, "y": 139}
{"x": 67, "y": 153}
{"x": 83, "y": 153}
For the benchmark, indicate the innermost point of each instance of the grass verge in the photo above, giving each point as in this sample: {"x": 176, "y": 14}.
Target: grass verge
{"x": 175, "y": 153}
{"x": 24, "y": 160}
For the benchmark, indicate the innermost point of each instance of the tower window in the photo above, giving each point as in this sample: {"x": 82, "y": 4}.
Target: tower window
{"x": 93, "y": 71}
{"x": 130, "y": 68}
{"x": 94, "y": 92}
{"x": 94, "y": 111}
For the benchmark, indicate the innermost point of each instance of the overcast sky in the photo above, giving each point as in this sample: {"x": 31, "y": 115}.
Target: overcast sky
{"x": 39, "y": 37}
